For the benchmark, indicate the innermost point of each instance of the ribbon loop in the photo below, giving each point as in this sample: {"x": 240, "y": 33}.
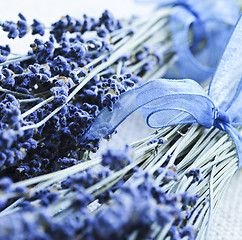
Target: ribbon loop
{"x": 211, "y": 21}
{"x": 209, "y": 24}
{"x": 163, "y": 103}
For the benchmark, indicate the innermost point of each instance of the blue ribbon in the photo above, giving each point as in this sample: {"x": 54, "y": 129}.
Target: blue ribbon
{"x": 170, "y": 102}
{"x": 211, "y": 21}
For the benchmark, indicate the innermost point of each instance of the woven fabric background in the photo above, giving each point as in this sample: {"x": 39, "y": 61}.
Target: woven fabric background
{"x": 227, "y": 224}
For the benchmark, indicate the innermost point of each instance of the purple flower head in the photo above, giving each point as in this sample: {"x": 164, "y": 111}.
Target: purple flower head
{"x": 196, "y": 174}
{"x": 116, "y": 159}
{"x": 38, "y": 28}
{"x": 22, "y": 25}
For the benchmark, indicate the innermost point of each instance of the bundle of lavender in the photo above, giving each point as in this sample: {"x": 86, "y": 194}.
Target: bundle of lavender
{"x": 50, "y": 99}
{"x": 209, "y": 155}
{"x": 51, "y": 96}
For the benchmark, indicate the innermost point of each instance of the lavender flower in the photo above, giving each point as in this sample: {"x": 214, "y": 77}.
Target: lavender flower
{"x": 116, "y": 160}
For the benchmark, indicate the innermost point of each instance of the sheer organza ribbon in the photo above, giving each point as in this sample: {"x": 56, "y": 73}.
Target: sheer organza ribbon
{"x": 211, "y": 22}
{"x": 170, "y": 102}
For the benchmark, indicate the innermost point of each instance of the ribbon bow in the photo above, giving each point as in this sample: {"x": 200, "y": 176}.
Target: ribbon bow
{"x": 170, "y": 102}
{"x": 210, "y": 22}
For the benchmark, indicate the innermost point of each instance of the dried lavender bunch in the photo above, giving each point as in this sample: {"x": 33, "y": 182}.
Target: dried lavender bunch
{"x": 71, "y": 197}
{"x": 62, "y": 83}
{"x": 57, "y": 90}
{"x": 50, "y": 97}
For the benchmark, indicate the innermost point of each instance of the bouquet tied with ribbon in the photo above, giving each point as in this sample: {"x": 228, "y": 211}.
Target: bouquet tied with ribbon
{"x": 161, "y": 164}
{"x": 176, "y": 102}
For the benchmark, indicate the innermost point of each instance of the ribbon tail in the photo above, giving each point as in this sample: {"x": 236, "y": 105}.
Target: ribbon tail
{"x": 225, "y": 87}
